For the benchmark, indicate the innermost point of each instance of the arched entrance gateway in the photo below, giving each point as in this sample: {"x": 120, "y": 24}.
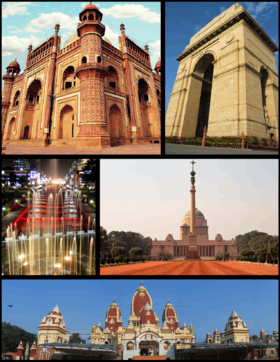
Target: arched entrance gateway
{"x": 149, "y": 344}
{"x": 66, "y": 127}
{"x": 32, "y": 110}
{"x": 222, "y": 82}
{"x": 144, "y": 96}
{"x": 117, "y": 126}
{"x": 11, "y": 129}
{"x": 204, "y": 73}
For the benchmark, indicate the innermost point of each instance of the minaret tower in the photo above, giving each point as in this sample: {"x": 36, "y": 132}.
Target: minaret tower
{"x": 193, "y": 252}
{"x": 91, "y": 73}
{"x": 13, "y": 70}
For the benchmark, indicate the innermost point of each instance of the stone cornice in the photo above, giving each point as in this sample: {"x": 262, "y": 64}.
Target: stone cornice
{"x": 238, "y": 16}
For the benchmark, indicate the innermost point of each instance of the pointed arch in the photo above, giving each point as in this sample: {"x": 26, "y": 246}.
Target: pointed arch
{"x": 66, "y": 127}
{"x": 112, "y": 78}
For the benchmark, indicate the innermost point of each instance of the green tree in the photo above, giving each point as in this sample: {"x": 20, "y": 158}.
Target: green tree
{"x": 136, "y": 252}
{"x": 75, "y": 338}
{"x": 13, "y": 335}
{"x": 118, "y": 251}
{"x": 243, "y": 240}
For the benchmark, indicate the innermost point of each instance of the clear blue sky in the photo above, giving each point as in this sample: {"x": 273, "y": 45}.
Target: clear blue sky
{"x": 152, "y": 196}
{"x": 207, "y": 304}
{"x": 185, "y": 19}
{"x": 25, "y": 23}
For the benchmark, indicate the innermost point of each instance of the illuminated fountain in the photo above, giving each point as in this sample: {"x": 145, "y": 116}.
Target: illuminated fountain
{"x": 53, "y": 236}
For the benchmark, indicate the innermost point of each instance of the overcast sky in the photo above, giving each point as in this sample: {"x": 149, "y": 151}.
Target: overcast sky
{"x": 152, "y": 196}
{"x": 206, "y": 304}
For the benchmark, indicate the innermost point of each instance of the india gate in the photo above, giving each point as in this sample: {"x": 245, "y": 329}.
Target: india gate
{"x": 227, "y": 81}
{"x": 194, "y": 241}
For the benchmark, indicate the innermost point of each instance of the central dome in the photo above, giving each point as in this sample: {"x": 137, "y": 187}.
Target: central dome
{"x": 71, "y": 40}
{"x": 197, "y": 213}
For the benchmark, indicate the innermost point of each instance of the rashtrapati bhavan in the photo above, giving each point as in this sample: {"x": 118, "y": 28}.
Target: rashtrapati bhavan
{"x": 194, "y": 241}
{"x": 87, "y": 95}
{"x": 227, "y": 81}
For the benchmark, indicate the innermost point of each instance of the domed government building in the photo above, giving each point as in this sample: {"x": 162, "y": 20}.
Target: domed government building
{"x": 194, "y": 240}
{"x": 87, "y": 95}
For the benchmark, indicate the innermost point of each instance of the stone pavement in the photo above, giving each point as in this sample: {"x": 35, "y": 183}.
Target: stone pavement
{"x": 174, "y": 149}
{"x": 148, "y": 149}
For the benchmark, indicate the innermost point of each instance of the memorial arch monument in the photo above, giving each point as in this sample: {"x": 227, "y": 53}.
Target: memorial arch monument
{"x": 227, "y": 81}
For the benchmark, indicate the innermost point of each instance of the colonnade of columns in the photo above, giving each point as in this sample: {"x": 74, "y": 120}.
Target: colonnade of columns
{"x": 203, "y": 250}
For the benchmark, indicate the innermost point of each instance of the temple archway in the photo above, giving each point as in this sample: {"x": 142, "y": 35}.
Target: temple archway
{"x": 66, "y": 128}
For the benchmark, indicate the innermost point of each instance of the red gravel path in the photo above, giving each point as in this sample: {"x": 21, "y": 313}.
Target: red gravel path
{"x": 190, "y": 268}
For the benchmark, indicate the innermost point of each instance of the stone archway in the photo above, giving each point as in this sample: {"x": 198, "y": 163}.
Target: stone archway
{"x": 66, "y": 127}
{"x": 200, "y": 86}
{"x": 26, "y": 133}
{"x": 117, "y": 128}
{"x": 144, "y": 97}
{"x": 32, "y": 109}
{"x": 11, "y": 128}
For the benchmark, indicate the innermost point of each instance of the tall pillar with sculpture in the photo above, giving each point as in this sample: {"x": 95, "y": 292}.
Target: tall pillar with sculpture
{"x": 193, "y": 250}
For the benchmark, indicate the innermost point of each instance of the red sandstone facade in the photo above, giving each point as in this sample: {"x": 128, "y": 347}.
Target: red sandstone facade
{"x": 87, "y": 95}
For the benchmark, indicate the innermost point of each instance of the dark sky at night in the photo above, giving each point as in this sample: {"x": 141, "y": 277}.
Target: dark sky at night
{"x": 51, "y": 167}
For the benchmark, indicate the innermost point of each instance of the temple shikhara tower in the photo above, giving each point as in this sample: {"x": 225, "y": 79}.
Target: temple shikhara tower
{"x": 143, "y": 335}
{"x": 194, "y": 241}
{"x": 87, "y": 95}
{"x": 227, "y": 81}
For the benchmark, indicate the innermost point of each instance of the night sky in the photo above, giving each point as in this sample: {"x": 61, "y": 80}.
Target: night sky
{"x": 52, "y": 167}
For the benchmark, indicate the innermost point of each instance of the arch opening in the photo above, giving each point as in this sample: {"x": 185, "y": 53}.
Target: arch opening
{"x": 146, "y": 113}
{"x": 112, "y": 79}
{"x": 11, "y": 128}
{"x": 203, "y": 74}
{"x": 264, "y": 79}
{"x": 68, "y": 78}
{"x": 16, "y": 98}
{"x": 31, "y": 111}
{"x": 66, "y": 128}
{"x": 117, "y": 129}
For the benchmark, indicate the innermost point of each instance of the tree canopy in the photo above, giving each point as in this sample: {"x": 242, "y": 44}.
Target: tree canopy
{"x": 13, "y": 335}
{"x": 128, "y": 240}
{"x": 75, "y": 338}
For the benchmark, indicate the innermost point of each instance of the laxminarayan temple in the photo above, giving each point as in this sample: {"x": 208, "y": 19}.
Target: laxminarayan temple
{"x": 142, "y": 337}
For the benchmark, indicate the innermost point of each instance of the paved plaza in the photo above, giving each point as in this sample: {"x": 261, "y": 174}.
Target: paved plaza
{"x": 149, "y": 149}
{"x": 175, "y": 149}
